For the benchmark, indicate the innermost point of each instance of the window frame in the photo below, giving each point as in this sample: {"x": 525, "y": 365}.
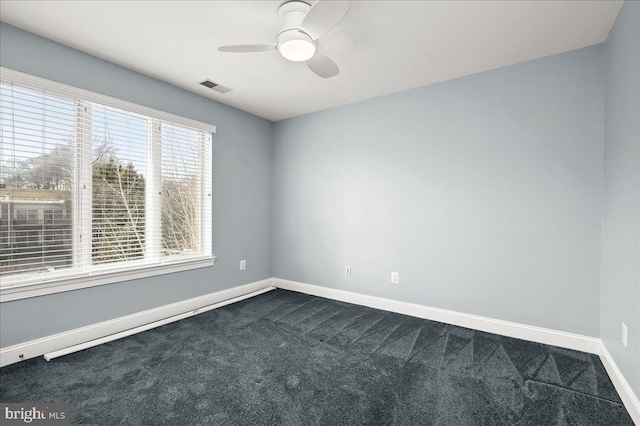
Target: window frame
{"x": 62, "y": 281}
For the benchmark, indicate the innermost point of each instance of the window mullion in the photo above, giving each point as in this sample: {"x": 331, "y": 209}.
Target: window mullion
{"x": 205, "y": 193}
{"x": 83, "y": 193}
{"x": 153, "y": 192}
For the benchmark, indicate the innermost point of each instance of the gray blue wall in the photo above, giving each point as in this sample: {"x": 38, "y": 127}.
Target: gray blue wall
{"x": 241, "y": 190}
{"x": 484, "y": 192}
{"x": 620, "y": 291}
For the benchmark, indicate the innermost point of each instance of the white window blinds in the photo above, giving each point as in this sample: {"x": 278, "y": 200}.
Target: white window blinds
{"x": 181, "y": 179}
{"x": 118, "y": 180}
{"x": 36, "y": 181}
{"x": 89, "y": 187}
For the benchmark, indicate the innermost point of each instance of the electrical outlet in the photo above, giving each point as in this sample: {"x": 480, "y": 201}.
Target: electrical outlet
{"x": 395, "y": 278}
{"x": 625, "y": 333}
{"x": 243, "y": 265}
{"x": 347, "y": 271}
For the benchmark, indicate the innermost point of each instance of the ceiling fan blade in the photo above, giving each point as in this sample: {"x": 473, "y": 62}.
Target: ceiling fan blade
{"x": 323, "y": 16}
{"x": 323, "y": 66}
{"x": 247, "y": 48}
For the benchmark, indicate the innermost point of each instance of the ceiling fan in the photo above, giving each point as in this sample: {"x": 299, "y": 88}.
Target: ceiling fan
{"x": 302, "y": 26}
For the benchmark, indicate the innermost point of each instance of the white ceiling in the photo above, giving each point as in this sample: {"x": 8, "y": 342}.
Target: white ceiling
{"x": 381, "y": 47}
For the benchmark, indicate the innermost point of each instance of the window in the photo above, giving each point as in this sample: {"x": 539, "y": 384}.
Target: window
{"x": 94, "y": 188}
{"x": 28, "y": 217}
{"x": 53, "y": 216}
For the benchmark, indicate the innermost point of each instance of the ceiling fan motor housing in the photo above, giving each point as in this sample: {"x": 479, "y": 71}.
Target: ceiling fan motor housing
{"x": 293, "y": 43}
{"x": 291, "y": 14}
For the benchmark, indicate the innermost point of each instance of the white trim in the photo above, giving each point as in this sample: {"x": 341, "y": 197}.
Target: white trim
{"x": 69, "y": 338}
{"x": 110, "y": 338}
{"x": 95, "y": 278}
{"x": 64, "y": 89}
{"x": 476, "y": 322}
{"x": 547, "y": 336}
{"x": 628, "y": 396}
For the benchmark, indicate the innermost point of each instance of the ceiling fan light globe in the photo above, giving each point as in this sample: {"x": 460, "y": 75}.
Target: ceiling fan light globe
{"x": 296, "y": 46}
{"x": 297, "y": 50}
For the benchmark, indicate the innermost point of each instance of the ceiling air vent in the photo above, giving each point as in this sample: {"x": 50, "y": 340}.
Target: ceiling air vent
{"x": 215, "y": 86}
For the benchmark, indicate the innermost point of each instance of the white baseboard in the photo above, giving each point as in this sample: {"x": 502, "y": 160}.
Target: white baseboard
{"x": 39, "y": 347}
{"x": 628, "y": 396}
{"x": 504, "y": 328}
{"x": 547, "y": 336}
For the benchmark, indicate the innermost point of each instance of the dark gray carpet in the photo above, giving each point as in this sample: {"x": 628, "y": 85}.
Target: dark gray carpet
{"x": 289, "y": 358}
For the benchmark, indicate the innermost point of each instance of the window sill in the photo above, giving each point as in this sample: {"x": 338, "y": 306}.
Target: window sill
{"x": 26, "y": 290}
